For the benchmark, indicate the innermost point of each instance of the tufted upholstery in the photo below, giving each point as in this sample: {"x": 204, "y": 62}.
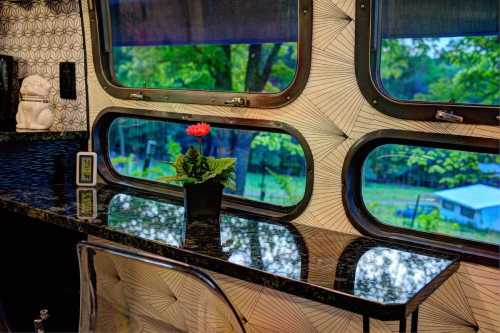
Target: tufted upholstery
{"x": 139, "y": 296}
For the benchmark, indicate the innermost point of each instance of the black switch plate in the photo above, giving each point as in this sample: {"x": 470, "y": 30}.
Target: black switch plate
{"x": 67, "y": 80}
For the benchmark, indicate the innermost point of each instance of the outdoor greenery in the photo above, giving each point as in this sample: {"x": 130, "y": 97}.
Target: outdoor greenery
{"x": 194, "y": 168}
{"x": 459, "y": 69}
{"x": 236, "y": 67}
{"x": 270, "y": 167}
{"x": 398, "y": 182}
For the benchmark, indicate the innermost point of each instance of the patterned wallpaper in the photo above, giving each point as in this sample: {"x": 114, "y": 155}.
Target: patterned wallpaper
{"x": 332, "y": 114}
{"x": 40, "y": 34}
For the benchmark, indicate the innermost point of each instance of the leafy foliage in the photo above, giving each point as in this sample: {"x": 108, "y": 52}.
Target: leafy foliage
{"x": 194, "y": 168}
{"x": 430, "y": 167}
{"x": 460, "y": 69}
{"x": 237, "y": 67}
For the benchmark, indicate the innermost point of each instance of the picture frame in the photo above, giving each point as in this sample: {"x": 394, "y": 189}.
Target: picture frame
{"x": 86, "y": 169}
{"x": 86, "y": 203}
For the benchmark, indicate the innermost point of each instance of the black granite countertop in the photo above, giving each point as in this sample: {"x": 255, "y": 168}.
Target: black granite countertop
{"x": 380, "y": 279}
{"x": 41, "y": 135}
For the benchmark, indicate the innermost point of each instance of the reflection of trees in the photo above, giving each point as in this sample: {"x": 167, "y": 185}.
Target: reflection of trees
{"x": 392, "y": 276}
{"x": 269, "y": 247}
{"x": 147, "y": 219}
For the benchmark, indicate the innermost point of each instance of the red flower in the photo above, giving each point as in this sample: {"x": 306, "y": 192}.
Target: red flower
{"x": 200, "y": 129}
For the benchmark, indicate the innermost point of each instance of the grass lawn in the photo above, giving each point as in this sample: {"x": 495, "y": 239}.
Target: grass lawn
{"x": 391, "y": 192}
{"x": 273, "y": 192}
{"x": 383, "y": 201}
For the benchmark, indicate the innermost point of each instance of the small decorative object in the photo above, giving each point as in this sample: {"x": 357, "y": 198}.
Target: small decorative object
{"x": 34, "y": 111}
{"x": 86, "y": 203}
{"x": 203, "y": 177}
{"x": 86, "y": 166}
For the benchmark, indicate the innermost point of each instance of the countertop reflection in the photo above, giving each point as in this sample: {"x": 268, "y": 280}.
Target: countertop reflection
{"x": 359, "y": 274}
{"x": 365, "y": 268}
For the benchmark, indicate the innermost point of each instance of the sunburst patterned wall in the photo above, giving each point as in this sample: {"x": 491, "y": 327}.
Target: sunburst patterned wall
{"x": 332, "y": 114}
{"x": 39, "y": 35}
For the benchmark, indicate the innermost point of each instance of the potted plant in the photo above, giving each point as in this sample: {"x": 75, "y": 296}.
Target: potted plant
{"x": 203, "y": 177}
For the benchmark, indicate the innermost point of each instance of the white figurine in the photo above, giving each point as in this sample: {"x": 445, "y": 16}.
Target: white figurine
{"x": 34, "y": 110}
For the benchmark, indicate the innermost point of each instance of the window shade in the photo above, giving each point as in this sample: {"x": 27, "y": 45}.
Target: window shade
{"x": 177, "y": 22}
{"x": 438, "y": 18}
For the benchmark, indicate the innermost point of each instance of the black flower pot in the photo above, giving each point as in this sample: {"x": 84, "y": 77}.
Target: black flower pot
{"x": 203, "y": 201}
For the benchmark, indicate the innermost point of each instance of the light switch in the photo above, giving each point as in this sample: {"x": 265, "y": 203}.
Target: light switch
{"x": 67, "y": 80}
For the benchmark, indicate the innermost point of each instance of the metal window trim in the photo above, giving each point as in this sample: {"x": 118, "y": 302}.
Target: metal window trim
{"x": 230, "y": 203}
{"x": 366, "y": 223}
{"x": 100, "y": 33}
{"x": 369, "y": 85}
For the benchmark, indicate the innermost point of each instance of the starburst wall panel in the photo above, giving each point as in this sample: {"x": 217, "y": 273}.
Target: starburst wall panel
{"x": 39, "y": 35}
{"x": 332, "y": 114}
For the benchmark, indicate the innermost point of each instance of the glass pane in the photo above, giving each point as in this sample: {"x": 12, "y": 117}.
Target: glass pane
{"x": 220, "y": 45}
{"x": 440, "y": 51}
{"x": 270, "y": 167}
{"x": 435, "y": 190}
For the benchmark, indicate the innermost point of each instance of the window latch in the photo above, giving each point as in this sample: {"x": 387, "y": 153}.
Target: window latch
{"x": 236, "y": 101}
{"x": 137, "y": 96}
{"x": 449, "y": 117}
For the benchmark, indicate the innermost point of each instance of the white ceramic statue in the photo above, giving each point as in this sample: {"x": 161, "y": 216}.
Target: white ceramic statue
{"x": 34, "y": 110}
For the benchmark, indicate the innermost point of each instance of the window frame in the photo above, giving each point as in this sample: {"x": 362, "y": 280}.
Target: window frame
{"x": 366, "y": 223}
{"x": 372, "y": 90}
{"x": 101, "y": 41}
{"x": 448, "y": 205}
{"x": 467, "y": 212}
{"x": 230, "y": 203}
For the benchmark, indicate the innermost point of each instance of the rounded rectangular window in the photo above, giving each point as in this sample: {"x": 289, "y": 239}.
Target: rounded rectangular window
{"x": 174, "y": 47}
{"x": 273, "y": 162}
{"x": 430, "y": 60}
{"x": 438, "y": 51}
{"x": 434, "y": 190}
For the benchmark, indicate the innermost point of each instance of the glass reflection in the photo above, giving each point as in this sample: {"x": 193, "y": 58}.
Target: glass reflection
{"x": 150, "y": 219}
{"x": 388, "y": 275}
{"x": 262, "y": 245}
{"x": 265, "y": 246}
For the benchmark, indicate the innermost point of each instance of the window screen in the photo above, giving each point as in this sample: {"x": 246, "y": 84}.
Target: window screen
{"x": 438, "y": 51}
{"x": 434, "y": 190}
{"x": 218, "y": 45}
{"x": 271, "y": 166}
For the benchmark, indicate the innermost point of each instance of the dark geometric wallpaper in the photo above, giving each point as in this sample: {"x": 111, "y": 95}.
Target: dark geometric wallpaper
{"x": 40, "y": 34}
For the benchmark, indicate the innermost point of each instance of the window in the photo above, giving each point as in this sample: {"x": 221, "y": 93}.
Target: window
{"x": 163, "y": 49}
{"x": 428, "y": 56}
{"x": 418, "y": 186}
{"x": 448, "y": 205}
{"x": 467, "y": 212}
{"x": 274, "y": 164}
